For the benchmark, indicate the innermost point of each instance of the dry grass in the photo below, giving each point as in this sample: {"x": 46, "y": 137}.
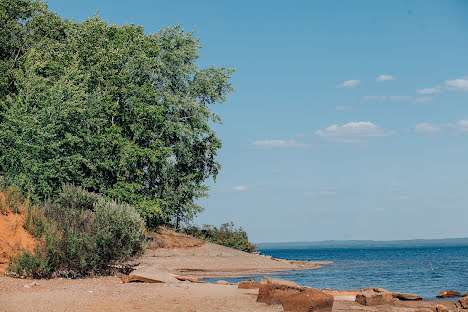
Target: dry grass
{"x": 169, "y": 239}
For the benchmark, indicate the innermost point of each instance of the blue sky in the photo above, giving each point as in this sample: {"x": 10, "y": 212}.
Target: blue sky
{"x": 350, "y": 119}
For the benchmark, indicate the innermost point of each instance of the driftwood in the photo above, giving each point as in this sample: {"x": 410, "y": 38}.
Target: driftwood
{"x": 190, "y": 279}
{"x": 136, "y": 278}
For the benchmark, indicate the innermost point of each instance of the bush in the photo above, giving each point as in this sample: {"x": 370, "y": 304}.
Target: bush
{"x": 226, "y": 235}
{"x": 82, "y": 234}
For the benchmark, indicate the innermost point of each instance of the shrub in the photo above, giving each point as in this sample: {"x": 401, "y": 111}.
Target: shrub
{"x": 82, "y": 234}
{"x": 227, "y": 235}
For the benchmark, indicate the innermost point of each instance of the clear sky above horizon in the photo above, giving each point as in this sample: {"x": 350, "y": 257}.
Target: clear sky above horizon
{"x": 349, "y": 120}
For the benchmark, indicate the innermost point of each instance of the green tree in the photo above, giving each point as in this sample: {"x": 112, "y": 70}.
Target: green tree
{"x": 122, "y": 113}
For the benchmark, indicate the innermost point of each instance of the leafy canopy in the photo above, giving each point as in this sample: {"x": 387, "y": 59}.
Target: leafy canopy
{"x": 117, "y": 111}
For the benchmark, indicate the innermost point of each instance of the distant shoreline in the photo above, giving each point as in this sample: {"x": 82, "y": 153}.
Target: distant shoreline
{"x": 448, "y": 242}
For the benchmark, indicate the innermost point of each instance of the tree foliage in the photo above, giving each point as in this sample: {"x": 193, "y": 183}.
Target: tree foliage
{"x": 122, "y": 113}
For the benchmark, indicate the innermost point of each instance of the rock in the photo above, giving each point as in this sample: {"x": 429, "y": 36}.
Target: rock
{"x": 272, "y": 294}
{"x": 448, "y": 294}
{"x": 403, "y": 296}
{"x": 189, "y": 279}
{"x": 136, "y": 278}
{"x": 278, "y": 282}
{"x": 462, "y": 303}
{"x": 374, "y": 296}
{"x": 248, "y": 285}
{"x": 308, "y": 301}
{"x": 221, "y": 282}
{"x": 155, "y": 273}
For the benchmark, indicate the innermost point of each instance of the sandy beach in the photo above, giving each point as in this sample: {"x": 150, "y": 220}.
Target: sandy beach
{"x": 201, "y": 260}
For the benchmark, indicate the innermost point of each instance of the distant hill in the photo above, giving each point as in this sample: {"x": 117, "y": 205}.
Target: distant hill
{"x": 366, "y": 243}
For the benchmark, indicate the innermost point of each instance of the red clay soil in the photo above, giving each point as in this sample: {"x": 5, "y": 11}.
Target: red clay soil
{"x": 13, "y": 238}
{"x": 169, "y": 239}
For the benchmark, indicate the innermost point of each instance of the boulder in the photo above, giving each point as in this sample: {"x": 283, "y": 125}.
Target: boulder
{"x": 221, "y": 282}
{"x": 248, "y": 285}
{"x": 374, "y": 296}
{"x": 310, "y": 300}
{"x": 448, "y": 294}
{"x": 441, "y": 308}
{"x": 406, "y": 297}
{"x": 271, "y": 294}
{"x": 462, "y": 303}
{"x": 278, "y": 282}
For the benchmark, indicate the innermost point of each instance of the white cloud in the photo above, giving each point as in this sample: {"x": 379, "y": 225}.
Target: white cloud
{"x": 240, "y": 188}
{"x": 426, "y": 128}
{"x": 460, "y": 84}
{"x": 375, "y": 97}
{"x": 353, "y": 132}
{"x": 279, "y": 144}
{"x": 343, "y": 108}
{"x": 350, "y": 83}
{"x": 429, "y": 90}
{"x": 432, "y": 128}
{"x": 385, "y": 78}
{"x": 423, "y": 99}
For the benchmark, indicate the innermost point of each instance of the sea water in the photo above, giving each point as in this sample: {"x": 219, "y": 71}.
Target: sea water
{"x": 405, "y": 269}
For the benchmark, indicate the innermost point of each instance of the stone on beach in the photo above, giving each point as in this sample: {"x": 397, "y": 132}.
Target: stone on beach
{"x": 406, "y": 297}
{"x": 272, "y": 294}
{"x": 221, "y": 282}
{"x": 278, "y": 282}
{"x": 448, "y": 294}
{"x": 248, "y": 285}
{"x": 374, "y": 296}
{"x": 310, "y": 300}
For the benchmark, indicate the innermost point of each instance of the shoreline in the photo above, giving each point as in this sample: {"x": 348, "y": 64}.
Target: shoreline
{"x": 205, "y": 261}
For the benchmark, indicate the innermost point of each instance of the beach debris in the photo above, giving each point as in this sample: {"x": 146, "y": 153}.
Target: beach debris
{"x": 278, "y": 282}
{"x": 31, "y": 285}
{"x": 221, "y": 282}
{"x": 248, "y": 285}
{"x": 462, "y": 303}
{"x": 308, "y": 300}
{"x": 140, "y": 279}
{"x": 406, "y": 297}
{"x": 186, "y": 278}
{"x": 448, "y": 294}
{"x": 374, "y": 296}
{"x": 273, "y": 294}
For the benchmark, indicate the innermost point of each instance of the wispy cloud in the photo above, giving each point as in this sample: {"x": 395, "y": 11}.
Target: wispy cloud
{"x": 428, "y": 90}
{"x": 385, "y": 78}
{"x": 279, "y": 144}
{"x": 375, "y": 98}
{"x": 434, "y": 128}
{"x": 423, "y": 99}
{"x": 353, "y": 132}
{"x": 350, "y": 83}
{"x": 240, "y": 188}
{"x": 460, "y": 84}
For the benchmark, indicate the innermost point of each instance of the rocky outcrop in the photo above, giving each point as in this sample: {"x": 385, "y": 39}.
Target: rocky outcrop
{"x": 248, "y": 285}
{"x": 278, "y": 282}
{"x": 462, "y": 303}
{"x": 406, "y": 297}
{"x": 374, "y": 296}
{"x": 273, "y": 294}
{"x": 448, "y": 294}
{"x": 221, "y": 282}
{"x": 310, "y": 300}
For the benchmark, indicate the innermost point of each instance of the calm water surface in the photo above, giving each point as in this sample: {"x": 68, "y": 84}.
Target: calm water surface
{"x": 395, "y": 269}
